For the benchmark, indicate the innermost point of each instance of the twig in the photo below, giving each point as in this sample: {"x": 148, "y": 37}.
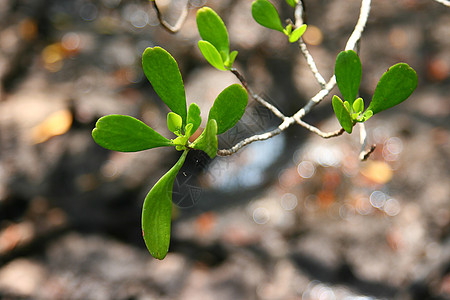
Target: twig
{"x": 255, "y": 96}
{"x": 325, "y": 135}
{"x": 444, "y": 2}
{"x": 296, "y": 118}
{"x": 364, "y": 154}
{"x": 311, "y": 63}
{"x": 258, "y": 137}
{"x": 175, "y": 28}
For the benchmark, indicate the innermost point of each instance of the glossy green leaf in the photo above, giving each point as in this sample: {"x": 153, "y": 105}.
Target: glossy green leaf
{"x": 207, "y": 141}
{"x": 342, "y": 114}
{"x": 266, "y": 15}
{"x": 193, "y": 118}
{"x": 229, "y": 107}
{"x": 358, "y": 106}
{"x": 292, "y": 3}
{"x": 395, "y": 86}
{"x": 126, "y": 134}
{"x": 174, "y": 123}
{"x": 211, "y": 55}
{"x": 157, "y": 212}
{"x": 297, "y": 33}
{"x": 348, "y": 74}
{"x": 213, "y": 30}
{"x": 163, "y": 73}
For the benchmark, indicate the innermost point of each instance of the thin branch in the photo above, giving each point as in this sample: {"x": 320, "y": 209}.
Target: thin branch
{"x": 311, "y": 63}
{"x": 325, "y": 135}
{"x": 256, "y": 97}
{"x": 364, "y": 155}
{"x": 258, "y": 137}
{"x": 171, "y": 28}
{"x": 444, "y": 2}
{"x": 359, "y": 28}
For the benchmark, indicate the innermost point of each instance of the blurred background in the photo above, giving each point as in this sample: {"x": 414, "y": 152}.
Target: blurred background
{"x": 293, "y": 217}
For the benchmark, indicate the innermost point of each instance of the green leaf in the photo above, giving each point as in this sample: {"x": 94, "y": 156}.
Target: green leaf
{"x": 229, "y": 107}
{"x": 292, "y": 3}
{"x": 211, "y": 55}
{"x": 297, "y": 33}
{"x": 174, "y": 123}
{"x": 207, "y": 141}
{"x": 213, "y": 30}
{"x": 126, "y": 134}
{"x": 193, "y": 118}
{"x": 157, "y": 211}
{"x": 231, "y": 58}
{"x": 358, "y": 106}
{"x": 395, "y": 86}
{"x": 342, "y": 114}
{"x": 365, "y": 116}
{"x": 266, "y": 15}
{"x": 163, "y": 73}
{"x": 348, "y": 74}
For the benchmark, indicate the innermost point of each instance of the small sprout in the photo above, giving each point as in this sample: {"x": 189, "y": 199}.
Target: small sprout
{"x": 174, "y": 123}
{"x": 342, "y": 114}
{"x": 207, "y": 141}
{"x": 358, "y": 106}
{"x": 215, "y": 45}
{"x": 297, "y": 33}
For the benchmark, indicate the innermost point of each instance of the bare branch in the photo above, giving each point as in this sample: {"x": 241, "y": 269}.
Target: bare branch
{"x": 364, "y": 154}
{"x": 359, "y": 28}
{"x": 175, "y": 28}
{"x": 444, "y": 2}
{"x": 325, "y": 135}
{"x": 311, "y": 63}
{"x": 258, "y": 137}
{"x": 256, "y": 97}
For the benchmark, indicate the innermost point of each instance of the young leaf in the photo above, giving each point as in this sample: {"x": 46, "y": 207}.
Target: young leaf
{"x": 207, "y": 141}
{"x": 358, "y": 106}
{"x": 126, "y": 134}
{"x": 231, "y": 58}
{"x": 365, "y": 116}
{"x": 163, "y": 73}
{"x": 396, "y": 84}
{"x": 229, "y": 107}
{"x": 211, "y": 55}
{"x": 348, "y": 74}
{"x": 266, "y": 15}
{"x": 157, "y": 211}
{"x": 297, "y": 33}
{"x": 342, "y": 114}
{"x": 292, "y": 2}
{"x": 193, "y": 117}
{"x": 174, "y": 123}
{"x": 213, "y": 30}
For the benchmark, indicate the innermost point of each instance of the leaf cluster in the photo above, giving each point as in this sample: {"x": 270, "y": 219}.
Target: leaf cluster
{"x": 394, "y": 87}
{"x": 127, "y": 134}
